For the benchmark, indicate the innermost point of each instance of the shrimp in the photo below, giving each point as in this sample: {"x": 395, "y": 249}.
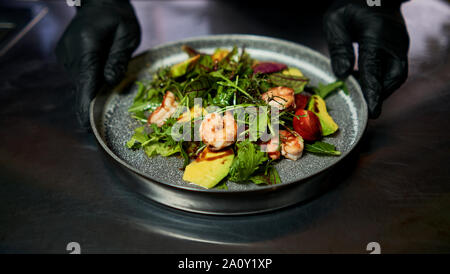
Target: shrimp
{"x": 218, "y": 131}
{"x": 291, "y": 145}
{"x": 280, "y": 97}
{"x": 272, "y": 147}
{"x": 167, "y": 108}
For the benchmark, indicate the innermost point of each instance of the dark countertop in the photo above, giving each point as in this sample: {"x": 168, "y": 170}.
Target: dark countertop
{"x": 56, "y": 186}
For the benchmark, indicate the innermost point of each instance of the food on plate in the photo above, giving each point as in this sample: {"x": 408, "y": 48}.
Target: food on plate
{"x": 231, "y": 117}
{"x": 291, "y": 145}
{"x": 318, "y": 106}
{"x": 307, "y": 125}
{"x": 279, "y": 97}
{"x": 218, "y": 131}
{"x": 301, "y": 101}
{"x": 209, "y": 168}
{"x": 165, "y": 110}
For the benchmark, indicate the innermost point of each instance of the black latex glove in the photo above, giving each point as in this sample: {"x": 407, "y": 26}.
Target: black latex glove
{"x": 96, "y": 47}
{"x": 383, "y": 46}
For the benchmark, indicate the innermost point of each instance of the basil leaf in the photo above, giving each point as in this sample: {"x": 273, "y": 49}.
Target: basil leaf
{"x": 322, "y": 148}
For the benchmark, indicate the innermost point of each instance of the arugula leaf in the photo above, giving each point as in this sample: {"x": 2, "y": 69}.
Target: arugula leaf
{"x": 247, "y": 160}
{"x": 164, "y": 133}
{"x": 141, "y": 92}
{"x": 149, "y": 105}
{"x": 157, "y": 142}
{"x": 322, "y": 148}
{"x": 184, "y": 154}
{"x": 162, "y": 149}
{"x": 228, "y": 83}
{"x": 325, "y": 90}
{"x": 139, "y": 137}
{"x": 223, "y": 97}
{"x": 145, "y": 99}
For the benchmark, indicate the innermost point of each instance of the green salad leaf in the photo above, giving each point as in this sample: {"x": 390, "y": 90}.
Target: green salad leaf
{"x": 139, "y": 137}
{"x": 271, "y": 177}
{"x": 163, "y": 149}
{"x": 325, "y": 90}
{"x": 158, "y": 142}
{"x": 297, "y": 83}
{"x": 322, "y": 148}
{"x": 145, "y": 100}
{"x": 247, "y": 160}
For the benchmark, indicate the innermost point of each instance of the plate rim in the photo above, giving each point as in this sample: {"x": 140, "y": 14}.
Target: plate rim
{"x": 252, "y": 37}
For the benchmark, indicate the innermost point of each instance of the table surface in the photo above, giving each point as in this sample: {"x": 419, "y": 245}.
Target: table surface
{"x": 56, "y": 186}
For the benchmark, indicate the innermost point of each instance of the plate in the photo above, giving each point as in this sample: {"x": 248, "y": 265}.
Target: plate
{"x": 160, "y": 178}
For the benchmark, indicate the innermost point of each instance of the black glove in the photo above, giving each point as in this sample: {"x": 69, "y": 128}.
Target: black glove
{"x": 383, "y": 42}
{"x": 96, "y": 47}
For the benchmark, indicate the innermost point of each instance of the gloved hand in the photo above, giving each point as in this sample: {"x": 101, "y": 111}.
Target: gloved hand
{"x": 96, "y": 47}
{"x": 383, "y": 42}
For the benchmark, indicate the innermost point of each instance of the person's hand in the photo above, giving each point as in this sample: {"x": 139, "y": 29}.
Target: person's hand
{"x": 383, "y": 46}
{"x": 96, "y": 47}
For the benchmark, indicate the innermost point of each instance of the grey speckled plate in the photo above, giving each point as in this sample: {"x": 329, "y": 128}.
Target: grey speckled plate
{"x": 160, "y": 178}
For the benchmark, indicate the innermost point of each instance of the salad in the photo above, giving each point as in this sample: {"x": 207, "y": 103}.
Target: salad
{"x": 231, "y": 117}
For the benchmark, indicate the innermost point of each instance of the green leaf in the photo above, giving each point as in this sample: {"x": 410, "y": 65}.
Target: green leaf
{"x": 325, "y": 90}
{"x": 222, "y": 185}
{"x": 141, "y": 92}
{"x": 162, "y": 149}
{"x": 223, "y": 97}
{"x": 297, "y": 83}
{"x": 227, "y": 82}
{"x": 145, "y": 100}
{"x": 322, "y": 148}
{"x": 271, "y": 178}
{"x": 248, "y": 159}
{"x": 184, "y": 154}
{"x": 149, "y": 105}
{"x": 139, "y": 137}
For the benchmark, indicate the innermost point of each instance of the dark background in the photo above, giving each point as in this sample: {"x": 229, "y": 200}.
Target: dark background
{"x": 56, "y": 187}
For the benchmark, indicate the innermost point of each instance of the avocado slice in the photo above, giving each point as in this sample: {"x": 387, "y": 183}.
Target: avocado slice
{"x": 180, "y": 69}
{"x": 209, "y": 168}
{"x": 292, "y": 71}
{"x": 318, "y": 106}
